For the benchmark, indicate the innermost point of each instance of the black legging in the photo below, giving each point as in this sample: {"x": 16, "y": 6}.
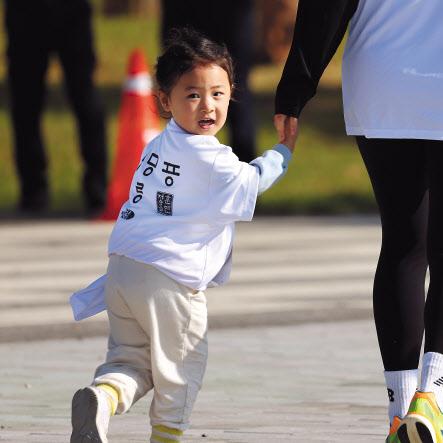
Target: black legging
{"x": 407, "y": 178}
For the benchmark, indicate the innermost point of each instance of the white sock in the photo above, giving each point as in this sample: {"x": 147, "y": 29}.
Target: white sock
{"x": 401, "y": 387}
{"x": 104, "y": 409}
{"x": 432, "y": 375}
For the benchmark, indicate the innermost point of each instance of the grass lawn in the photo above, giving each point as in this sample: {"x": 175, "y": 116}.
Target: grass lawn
{"x": 326, "y": 175}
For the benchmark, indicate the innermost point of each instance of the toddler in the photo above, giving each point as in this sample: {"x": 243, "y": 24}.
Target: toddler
{"x": 172, "y": 240}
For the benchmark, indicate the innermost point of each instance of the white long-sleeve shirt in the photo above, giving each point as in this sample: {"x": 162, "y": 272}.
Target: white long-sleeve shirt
{"x": 185, "y": 197}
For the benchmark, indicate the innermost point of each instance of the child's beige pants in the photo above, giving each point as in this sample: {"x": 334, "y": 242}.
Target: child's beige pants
{"x": 158, "y": 339}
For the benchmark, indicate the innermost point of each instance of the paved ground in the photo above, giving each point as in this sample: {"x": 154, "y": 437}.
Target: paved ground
{"x": 293, "y": 351}
{"x": 286, "y": 270}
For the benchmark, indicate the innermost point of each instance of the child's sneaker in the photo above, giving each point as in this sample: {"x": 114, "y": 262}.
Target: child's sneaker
{"x": 424, "y": 421}
{"x": 393, "y": 437}
{"x": 90, "y": 416}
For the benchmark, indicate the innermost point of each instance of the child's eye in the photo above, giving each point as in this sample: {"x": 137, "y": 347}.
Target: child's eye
{"x": 218, "y": 94}
{"x": 193, "y": 96}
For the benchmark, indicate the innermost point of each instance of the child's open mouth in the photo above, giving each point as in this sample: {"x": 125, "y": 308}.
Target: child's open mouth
{"x": 206, "y": 123}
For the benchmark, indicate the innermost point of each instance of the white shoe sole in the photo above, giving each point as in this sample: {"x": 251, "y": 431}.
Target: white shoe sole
{"x": 416, "y": 428}
{"x": 85, "y": 418}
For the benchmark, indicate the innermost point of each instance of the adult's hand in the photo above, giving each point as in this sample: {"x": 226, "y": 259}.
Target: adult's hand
{"x": 282, "y": 122}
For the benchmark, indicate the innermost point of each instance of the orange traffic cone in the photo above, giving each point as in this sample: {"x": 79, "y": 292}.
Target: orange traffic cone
{"x": 138, "y": 124}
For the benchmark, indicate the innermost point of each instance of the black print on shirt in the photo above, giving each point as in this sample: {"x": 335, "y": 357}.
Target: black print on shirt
{"x": 170, "y": 169}
{"x": 142, "y": 160}
{"x": 127, "y": 214}
{"x": 164, "y": 203}
{"x": 139, "y": 190}
{"x": 152, "y": 162}
{"x": 148, "y": 165}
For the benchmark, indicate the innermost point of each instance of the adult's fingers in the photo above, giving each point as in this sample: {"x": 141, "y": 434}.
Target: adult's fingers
{"x": 293, "y": 125}
{"x": 279, "y": 123}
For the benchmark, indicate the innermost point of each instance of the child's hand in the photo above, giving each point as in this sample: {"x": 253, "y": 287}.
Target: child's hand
{"x": 287, "y": 128}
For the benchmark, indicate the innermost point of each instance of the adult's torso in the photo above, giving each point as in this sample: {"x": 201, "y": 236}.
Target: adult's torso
{"x": 393, "y": 70}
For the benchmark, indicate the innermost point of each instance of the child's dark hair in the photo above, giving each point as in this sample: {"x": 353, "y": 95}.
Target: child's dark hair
{"x": 185, "y": 49}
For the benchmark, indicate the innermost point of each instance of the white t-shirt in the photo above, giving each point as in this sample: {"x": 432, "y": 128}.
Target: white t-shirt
{"x": 393, "y": 70}
{"x": 184, "y": 199}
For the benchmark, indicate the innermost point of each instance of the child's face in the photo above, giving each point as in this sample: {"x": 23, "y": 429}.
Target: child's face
{"x": 199, "y": 100}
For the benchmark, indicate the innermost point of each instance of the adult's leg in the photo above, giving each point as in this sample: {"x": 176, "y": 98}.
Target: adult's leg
{"x": 232, "y": 25}
{"x": 424, "y": 414}
{"x": 28, "y": 54}
{"x": 75, "y": 48}
{"x": 434, "y": 300}
{"x": 398, "y": 172}
{"x": 239, "y": 40}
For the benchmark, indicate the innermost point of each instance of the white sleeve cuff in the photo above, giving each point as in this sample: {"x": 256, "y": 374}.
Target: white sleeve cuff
{"x": 272, "y": 165}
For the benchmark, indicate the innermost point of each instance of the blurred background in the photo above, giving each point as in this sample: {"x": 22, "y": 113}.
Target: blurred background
{"x": 327, "y": 175}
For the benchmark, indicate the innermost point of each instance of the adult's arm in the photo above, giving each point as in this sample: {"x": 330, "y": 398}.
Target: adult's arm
{"x": 319, "y": 29}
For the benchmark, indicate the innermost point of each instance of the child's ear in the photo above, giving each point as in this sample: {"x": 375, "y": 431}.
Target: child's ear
{"x": 164, "y": 100}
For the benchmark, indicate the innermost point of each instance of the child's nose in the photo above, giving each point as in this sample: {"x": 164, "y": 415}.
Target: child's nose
{"x": 207, "y": 104}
